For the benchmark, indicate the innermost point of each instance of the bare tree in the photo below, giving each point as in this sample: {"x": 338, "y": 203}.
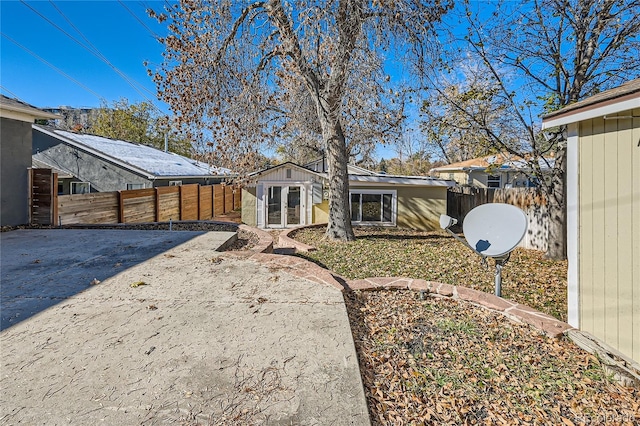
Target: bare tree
{"x": 541, "y": 56}
{"x": 239, "y": 68}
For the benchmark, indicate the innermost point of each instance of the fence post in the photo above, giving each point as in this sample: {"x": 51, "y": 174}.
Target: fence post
{"x": 54, "y": 199}
{"x": 157, "y": 204}
{"x": 120, "y": 207}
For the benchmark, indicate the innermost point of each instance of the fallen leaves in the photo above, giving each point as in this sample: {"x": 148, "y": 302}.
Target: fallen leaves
{"x": 441, "y": 361}
{"x": 528, "y": 278}
{"x": 137, "y": 284}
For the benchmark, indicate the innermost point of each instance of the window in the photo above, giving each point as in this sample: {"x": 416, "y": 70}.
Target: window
{"x": 135, "y": 186}
{"x": 175, "y": 182}
{"x": 493, "y": 181}
{"x": 80, "y": 187}
{"x": 288, "y": 172}
{"x": 373, "y": 207}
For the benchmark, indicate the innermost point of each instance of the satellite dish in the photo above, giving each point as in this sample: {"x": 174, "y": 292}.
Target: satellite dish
{"x": 491, "y": 230}
{"x": 494, "y": 230}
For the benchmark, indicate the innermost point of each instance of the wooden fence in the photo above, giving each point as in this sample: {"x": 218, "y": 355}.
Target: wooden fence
{"x": 43, "y": 196}
{"x": 161, "y": 204}
{"x": 460, "y": 201}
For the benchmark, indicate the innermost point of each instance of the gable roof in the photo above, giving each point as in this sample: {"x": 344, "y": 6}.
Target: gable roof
{"x": 286, "y": 164}
{"x": 137, "y": 158}
{"x": 612, "y": 101}
{"x": 507, "y": 162}
{"x": 370, "y": 178}
{"x": 17, "y": 110}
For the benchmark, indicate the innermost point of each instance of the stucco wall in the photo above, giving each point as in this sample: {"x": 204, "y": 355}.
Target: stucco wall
{"x": 609, "y": 231}
{"x": 420, "y": 207}
{"x": 249, "y": 209}
{"x": 102, "y": 175}
{"x": 15, "y": 159}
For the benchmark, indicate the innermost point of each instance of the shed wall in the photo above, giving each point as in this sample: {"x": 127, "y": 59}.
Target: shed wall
{"x": 420, "y": 208}
{"x": 609, "y": 231}
{"x": 249, "y": 207}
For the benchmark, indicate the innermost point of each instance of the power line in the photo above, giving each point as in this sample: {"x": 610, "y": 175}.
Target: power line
{"x": 53, "y": 66}
{"x": 102, "y": 57}
{"x": 11, "y": 93}
{"x": 156, "y": 36}
{"x": 93, "y": 50}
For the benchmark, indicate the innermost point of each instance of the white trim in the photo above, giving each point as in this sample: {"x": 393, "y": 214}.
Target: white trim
{"x": 573, "y": 226}
{"x": 394, "y": 205}
{"x": 262, "y": 209}
{"x": 376, "y": 180}
{"x": 75, "y": 184}
{"x": 591, "y": 113}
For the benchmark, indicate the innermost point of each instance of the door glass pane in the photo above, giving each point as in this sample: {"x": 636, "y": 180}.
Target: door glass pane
{"x": 371, "y": 207}
{"x": 386, "y": 207}
{"x": 293, "y": 206}
{"x": 355, "y": 207}
{"x": 274, "y": 201}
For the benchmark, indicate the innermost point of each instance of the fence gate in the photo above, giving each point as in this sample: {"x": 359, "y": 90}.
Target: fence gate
{"x": 43, "y": 199}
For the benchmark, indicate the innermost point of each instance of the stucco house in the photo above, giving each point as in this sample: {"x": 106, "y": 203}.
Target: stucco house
{"x": 603, "y": 215}
{"x": 502, "y": 170}
{"x": 101, "y": 164}
{"x": 291, "y": 195}
{"x": 16, "y": 118}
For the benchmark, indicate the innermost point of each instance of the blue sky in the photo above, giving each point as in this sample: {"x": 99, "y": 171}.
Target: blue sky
{"x": 50, "y": 52}
{"x": 76, "y": 76}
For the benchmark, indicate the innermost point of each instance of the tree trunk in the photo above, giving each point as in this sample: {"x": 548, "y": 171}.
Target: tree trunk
{"x": 557, "y": 202}
{"x": 339, "y": 227}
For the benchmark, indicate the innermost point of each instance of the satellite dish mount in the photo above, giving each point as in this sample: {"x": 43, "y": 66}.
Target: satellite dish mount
{"x": 491, "y": 230}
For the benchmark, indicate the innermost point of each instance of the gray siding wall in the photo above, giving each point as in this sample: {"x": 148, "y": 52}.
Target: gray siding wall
{"x": 103, "y": 176}
{"x": 15, "y": 159}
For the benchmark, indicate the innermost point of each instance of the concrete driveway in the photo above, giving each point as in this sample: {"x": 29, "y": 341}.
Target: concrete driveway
{"x": 173, "y": 333}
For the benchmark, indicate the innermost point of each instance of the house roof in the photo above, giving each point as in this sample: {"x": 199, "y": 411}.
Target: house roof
{"x": 618, "y": 99}
{"x": 17, "y": 110}
{"x": 507, "y": 162}
{"x": 368, "y": 178}
{"x": 138, "y": 158}
{"x": 39, "y": 164}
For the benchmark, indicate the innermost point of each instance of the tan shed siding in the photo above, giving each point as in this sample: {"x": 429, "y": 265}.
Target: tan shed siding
{"x": 320, "y": 212}
{"x": 420, "y": 207}
{"x": 249, "y": 210}
{"x": 609, "y": 232}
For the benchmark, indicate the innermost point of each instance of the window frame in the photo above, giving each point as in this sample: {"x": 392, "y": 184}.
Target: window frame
{"x": 175, "y": 183}
{"x": 493, "y": 179}
{"x": 129, "y": 186}
{"x": 75, "y": 184}
{"x": 381, "y": 192}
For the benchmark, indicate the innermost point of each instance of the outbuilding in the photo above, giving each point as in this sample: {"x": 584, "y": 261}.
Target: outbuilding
{"x": 603, "y": 215}
{"x": 290, "y": 195}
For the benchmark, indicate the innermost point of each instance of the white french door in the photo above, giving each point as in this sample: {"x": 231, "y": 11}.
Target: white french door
{"x": 284, "y": 206}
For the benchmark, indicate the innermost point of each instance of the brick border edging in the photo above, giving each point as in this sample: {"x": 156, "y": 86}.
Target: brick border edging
{"x": 265, "y": 241}
{"x": 302, "y": 268}
{"x": 287, "y": 241}
{"x": 543, "y": 322}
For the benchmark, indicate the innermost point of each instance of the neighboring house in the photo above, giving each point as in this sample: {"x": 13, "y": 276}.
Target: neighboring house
{"x": 291, "y": 195}
{"x": 101, "y": 164}
{"x": 603, "y": 215}
{"x": 16, "y": 118}
{"x": 501, "y": 170}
